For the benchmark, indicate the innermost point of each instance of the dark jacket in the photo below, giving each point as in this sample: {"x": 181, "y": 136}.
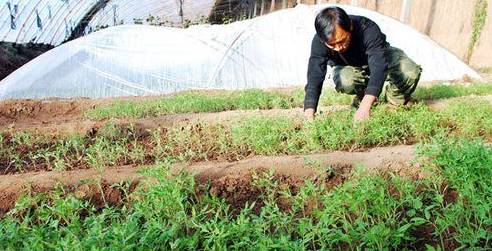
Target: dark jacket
{"x": 368, "y": 47}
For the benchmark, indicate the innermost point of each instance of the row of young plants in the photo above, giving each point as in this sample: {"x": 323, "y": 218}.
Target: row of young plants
{"x": 448, "y": 209}
{"x": 259, "y": 135}
{"x": 191, "y": 102}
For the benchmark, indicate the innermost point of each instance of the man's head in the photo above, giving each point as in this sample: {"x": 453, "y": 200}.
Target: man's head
{"x": 334, "y": 27}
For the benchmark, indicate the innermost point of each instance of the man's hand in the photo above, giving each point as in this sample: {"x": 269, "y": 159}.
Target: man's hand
{"x": 364, "y": 108}
{"x": 361, "y": 115}
{"x": 309, "y": 114}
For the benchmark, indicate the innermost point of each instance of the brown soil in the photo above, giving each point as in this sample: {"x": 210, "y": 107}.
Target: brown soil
{"x": 25, "y": 111}
{"x": 104, "y": 193}
{"x": 39, "y": 112}
{"x": 396, "y": 158}
{"x": 294, "y": 170}
{"x": 241, "y": 188}
{"x": 13, "y": 186}
{"x": 55, "y": 117}
{"x": 230, "y": 180}
{"x": 65, "y": 117}
{"x": 76, "y": 124}
{"x": 42, "y": 112}
{"x": 425, "y": 236}
{"x": 139, "y": 131}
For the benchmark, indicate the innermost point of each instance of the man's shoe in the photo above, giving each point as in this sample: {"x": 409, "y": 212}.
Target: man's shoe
{"x": 408, "y": 101}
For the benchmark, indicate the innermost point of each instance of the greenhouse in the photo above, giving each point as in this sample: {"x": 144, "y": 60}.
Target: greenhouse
{"x": 131, "y": 59}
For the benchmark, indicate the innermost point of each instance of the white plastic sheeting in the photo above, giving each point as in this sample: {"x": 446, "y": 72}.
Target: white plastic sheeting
{"x": 52, "y": 21}
{"x": 40, "y": 21}
{"x": 168, "y": 11}
{"x": 268, "y": 51}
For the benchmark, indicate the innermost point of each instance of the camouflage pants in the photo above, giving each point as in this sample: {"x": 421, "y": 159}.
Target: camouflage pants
{"x": 402, "y": 79}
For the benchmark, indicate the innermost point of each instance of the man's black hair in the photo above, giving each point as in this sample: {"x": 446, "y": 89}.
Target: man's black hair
{"x": 327, "y": 20}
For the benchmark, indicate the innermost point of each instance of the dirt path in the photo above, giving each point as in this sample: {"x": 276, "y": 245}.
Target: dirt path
{"x": 56, "y": 110}
{"x": 66, "y": 119}
{"x": 225, "y": 176}
{"x": 396, "y": 159}
{"x": 441, "y": 104}
{"x": 58, "y": 126}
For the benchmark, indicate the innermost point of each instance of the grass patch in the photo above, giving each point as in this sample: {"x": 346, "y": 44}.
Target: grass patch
{"x": 451, "y": 91}
{"x": 368, "y": 211}
{"x": 466, "y": 165}
{"x": 121, "y": 145}
{"x": 335, "y": 131}
{"x": 193, "y": 102}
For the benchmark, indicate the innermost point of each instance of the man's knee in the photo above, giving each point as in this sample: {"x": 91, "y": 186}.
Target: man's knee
{"x": 410, "y": 70}
{"x": 345, "y": 78}
{"x": 408, "y": 74}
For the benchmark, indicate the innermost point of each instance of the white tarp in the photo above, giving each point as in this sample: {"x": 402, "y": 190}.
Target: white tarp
{"x": 52, "y": 21}
{"x": 126, "y": 11}
{"x": 267, "y": 51}
{"x": 40, "y": 21}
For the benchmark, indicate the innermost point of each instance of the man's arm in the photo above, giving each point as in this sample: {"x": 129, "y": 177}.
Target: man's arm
{"x": 315, "y": 76}
{"x": 375, "y": 42}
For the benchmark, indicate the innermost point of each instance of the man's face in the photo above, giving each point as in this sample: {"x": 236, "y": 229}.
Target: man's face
{"x": 340, "y": 41}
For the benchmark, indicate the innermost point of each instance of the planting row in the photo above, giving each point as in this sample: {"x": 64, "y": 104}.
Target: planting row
{"x": 447, "y": 210}
{"x": 199, "y": 141}
{"x": 255, "y": 99}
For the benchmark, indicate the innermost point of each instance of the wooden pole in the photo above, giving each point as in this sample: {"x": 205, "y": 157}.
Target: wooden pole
{"x": 255, "y": 7}
{"x": 430, "y": 18}
{"x": 249, "y": 11}
{"x": 272, "y": 6}
{"x": 406, "y": 6}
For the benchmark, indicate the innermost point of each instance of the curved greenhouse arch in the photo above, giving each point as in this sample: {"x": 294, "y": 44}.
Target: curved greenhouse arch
{"x": 54, "y": 21}
{"x": 267, "y": 51}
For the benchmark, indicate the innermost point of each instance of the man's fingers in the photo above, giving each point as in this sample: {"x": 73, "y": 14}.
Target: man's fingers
{"x": 309, "y": 114}
{"x": 360, "y": 77}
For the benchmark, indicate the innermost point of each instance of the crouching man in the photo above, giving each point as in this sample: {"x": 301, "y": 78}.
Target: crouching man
{"x": 364, "y": 64}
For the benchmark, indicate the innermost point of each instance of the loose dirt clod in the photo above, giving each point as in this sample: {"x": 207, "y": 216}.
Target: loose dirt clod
{"x": 104, "y": 193}
{"x": 241, "y": 188}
